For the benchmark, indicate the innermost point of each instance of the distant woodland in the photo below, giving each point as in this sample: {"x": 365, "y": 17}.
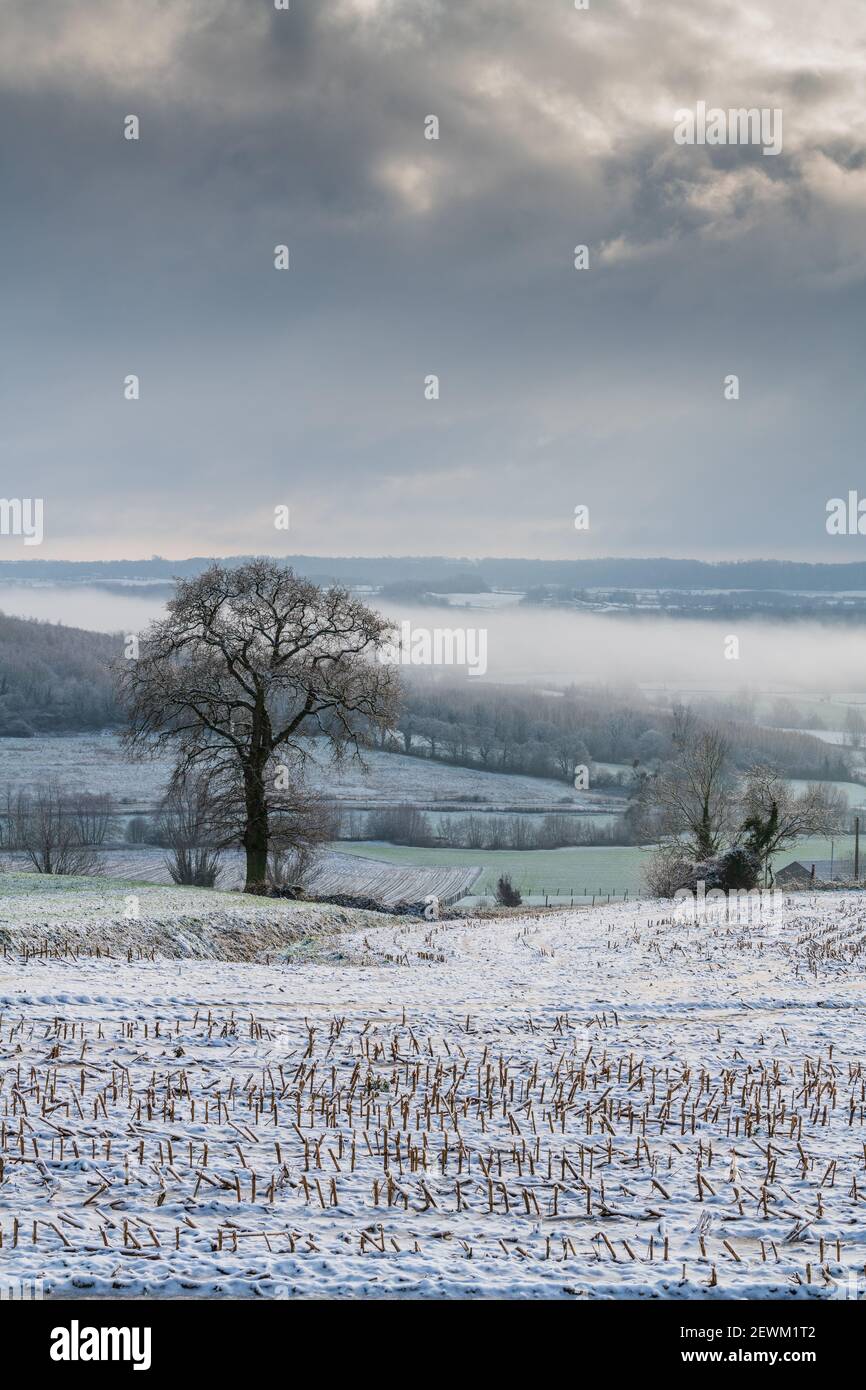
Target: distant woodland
{"x": 519, "y": 730}
{"x": 54, "y": 679}
{"x": 445, "y": 574}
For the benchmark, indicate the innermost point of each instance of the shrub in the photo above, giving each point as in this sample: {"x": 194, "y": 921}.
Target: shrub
{"x": 506, "y": 894}
{"x": 669, "y": 871}
{"x": 738, "y": 867}
{"x": 734, "y": 869}
{"x": 196, "y": 868}
{"x": 136, "y": 830}
{"x": 289, "y": 870}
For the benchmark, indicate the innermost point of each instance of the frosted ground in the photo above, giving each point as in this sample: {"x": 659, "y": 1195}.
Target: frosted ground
{"x": 97, "y": 763}
{"x": 585, "y": 1104}
{"x": 333, "y": 874}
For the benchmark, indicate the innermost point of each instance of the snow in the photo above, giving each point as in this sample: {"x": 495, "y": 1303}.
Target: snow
{"x": 332, "y": 874}
{"x": 575, "y": 1104}
{"x": 97, "y": 763}
{"x": 49, "y": 913}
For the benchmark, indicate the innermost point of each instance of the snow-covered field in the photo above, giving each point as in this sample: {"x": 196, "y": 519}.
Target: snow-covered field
{"x": 585, "y": 1104}
{"x": 96, "y": 763}
{"x": 332, "y": 874}
{"x": 48, "y": 914}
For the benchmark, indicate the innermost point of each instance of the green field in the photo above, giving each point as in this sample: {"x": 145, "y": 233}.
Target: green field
{"x": 559, "y": 872}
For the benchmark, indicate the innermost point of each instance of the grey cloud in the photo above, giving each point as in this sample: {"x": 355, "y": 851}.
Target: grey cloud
{"x": 411, "y": 257}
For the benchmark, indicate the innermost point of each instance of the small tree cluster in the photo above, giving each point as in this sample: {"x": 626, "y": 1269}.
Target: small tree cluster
{"x": 714, "y": 828}
{"x": 60, "y": 832}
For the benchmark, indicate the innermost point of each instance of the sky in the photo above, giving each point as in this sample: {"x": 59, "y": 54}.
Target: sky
{"x": 410, "y": 257}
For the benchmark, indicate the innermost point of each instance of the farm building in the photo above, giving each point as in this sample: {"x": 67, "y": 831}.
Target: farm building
{"x": 801, "y": 872}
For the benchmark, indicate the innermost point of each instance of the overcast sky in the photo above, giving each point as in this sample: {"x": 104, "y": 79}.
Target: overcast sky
{"x": 410, "y": 257}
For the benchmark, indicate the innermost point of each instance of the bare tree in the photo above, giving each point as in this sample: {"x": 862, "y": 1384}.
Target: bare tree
{"x": 775, "y": 817}
{"x": 91, "y": 815}
{"x": 60, "y": 832}
{"x": 186, "y": 826}
{"x": 249, "y": 663}
{"x": 692, "y": 798}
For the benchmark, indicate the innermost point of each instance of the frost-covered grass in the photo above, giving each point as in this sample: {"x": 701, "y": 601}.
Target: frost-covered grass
{"x": 82, "y": 762}
{"x": 96, "y": 763}
{"x": 597, "y": 868}
{"x": 84, "y": 915}
{"x": 333, "y": 874}
{"x": 614, "y": 869}
{"x": 582, "y": 1104}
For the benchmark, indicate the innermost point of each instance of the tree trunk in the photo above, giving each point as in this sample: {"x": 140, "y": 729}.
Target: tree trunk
{"x": 256, "y": 833}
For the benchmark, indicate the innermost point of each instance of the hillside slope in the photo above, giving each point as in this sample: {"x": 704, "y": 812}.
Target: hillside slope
{"x": 48, "y": 915}
{"x": 55, "y": 678}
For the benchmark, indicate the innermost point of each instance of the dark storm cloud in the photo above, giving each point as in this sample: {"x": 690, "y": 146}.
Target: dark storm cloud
{"x": 411, "y": 257}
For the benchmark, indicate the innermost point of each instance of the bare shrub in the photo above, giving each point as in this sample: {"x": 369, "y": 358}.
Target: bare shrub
{"x": 186, "y": 827}
{"x": 60, "y": 832}
{"x": 137, "y": 830}
{"x": 667, "y": 870}
{"x": 196, "y": 868}
{"x": 289, "y": 870}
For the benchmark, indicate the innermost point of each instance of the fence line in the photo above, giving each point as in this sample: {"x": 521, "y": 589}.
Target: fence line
{"x": 527, "y": 891}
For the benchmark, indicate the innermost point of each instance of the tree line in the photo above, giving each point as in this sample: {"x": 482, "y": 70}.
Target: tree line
{"x": 519, "y": 730}
{"x": 55, "y": 679}
{"x": 409, "y": 825}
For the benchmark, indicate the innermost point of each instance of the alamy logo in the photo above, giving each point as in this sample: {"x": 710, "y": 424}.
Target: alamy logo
{"x": 22, "y": 516}
{"x": 846, "y": 518}
{"x": 741, "y": 126}
{"x": 438, "y": 646}
{"x": 76, "y": 1343}
{"x": 723, "y": 905}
